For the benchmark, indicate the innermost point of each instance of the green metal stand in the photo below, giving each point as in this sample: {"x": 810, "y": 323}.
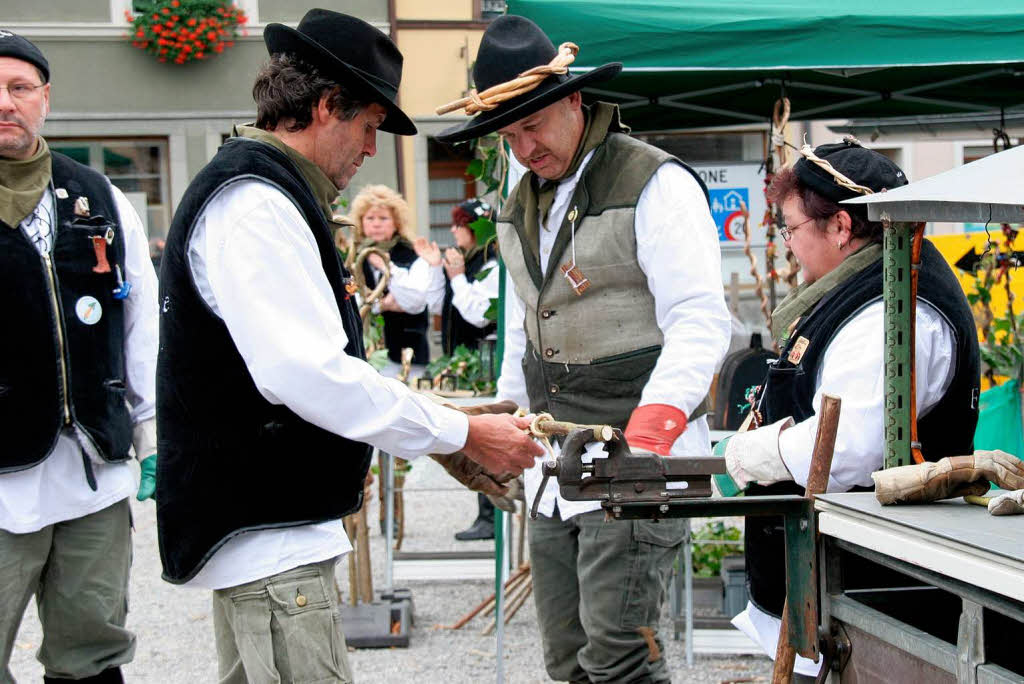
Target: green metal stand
{"x": 896, "y": 277}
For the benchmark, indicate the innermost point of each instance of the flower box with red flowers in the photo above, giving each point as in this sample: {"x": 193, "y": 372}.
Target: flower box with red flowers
{"x": 180, "y": 31}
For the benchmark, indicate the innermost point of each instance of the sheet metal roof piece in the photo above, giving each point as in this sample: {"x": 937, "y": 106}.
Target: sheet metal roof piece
{"x": 988, "y": 189}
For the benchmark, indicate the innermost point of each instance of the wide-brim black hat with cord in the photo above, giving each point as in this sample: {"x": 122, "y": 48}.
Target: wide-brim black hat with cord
{"x": 841, "y": 171}
{"x": 510, "y": 47}
{"x": 350, "y": 51}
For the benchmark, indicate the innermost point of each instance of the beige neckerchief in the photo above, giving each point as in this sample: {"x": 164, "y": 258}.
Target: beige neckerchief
{"x": 324, "y": 190}
{"x": 22, "y": 184}
{"x": 802, "y": 298}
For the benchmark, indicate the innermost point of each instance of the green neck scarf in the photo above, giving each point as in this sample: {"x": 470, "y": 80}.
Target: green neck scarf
{"x": 324, "y": 190}
{"x": 22, "y": 184}
{"x": 536, "y": 195}
{"x": 802, "y": 298}
{"x": 383, "y": 245}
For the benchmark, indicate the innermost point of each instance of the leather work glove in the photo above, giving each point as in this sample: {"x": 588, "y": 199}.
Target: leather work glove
{"x": 144, "y": 441}
{"x": 654, "y": 428}
{"x": 754, "y": 456}
{"x": 507, "y": 502}
{"x": 1008, "y": 503}
{"x": 467, "y": 471}
{"x": 949, "y": 477}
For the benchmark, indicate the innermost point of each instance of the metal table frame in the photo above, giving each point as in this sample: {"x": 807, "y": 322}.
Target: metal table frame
{"x": 801, "y": 563}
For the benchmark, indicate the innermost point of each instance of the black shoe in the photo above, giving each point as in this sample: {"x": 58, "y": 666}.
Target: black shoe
{"x": 481, "y": 529}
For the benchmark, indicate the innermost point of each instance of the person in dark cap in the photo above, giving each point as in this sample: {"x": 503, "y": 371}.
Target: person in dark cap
{"x": 830, "y": 330}
{"x": 266, "y": 406}
{"x": 77, "y": 366}
{"x": 464, "y": 283}
{"x": 616, "y": 315}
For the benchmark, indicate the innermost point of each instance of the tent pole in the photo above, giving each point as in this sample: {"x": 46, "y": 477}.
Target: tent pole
{"x": 899, "y": 340}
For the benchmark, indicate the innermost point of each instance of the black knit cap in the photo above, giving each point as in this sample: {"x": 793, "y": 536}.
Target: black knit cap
{"x": 476, "y": 208}
{"x": 13, "y": 45}
{"x": 862, "y": 166}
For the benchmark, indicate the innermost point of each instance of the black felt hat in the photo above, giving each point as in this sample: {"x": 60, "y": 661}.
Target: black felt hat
{"x": 13, "y": 45}
{"x": 510, "y": 46}
{"x": 352, "y": 52}
{"x": 861, "y": 165}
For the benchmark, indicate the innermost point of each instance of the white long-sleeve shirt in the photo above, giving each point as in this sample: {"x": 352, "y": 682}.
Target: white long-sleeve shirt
{"x": 410, "y": 285}
{"x": 56, "y": 489}
{"x": 853, "y": 368}
{"x": 470, "y": 298}
{"x": 256, "y": 264}
{"x": 678, "y": 251}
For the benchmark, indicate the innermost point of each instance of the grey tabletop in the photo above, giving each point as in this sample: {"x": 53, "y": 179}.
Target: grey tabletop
{"x": 953, "y": 520}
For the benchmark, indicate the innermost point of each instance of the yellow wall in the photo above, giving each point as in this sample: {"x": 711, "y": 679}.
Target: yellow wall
{"x": 435, "y": 10}
{"x": 434, "y": 73}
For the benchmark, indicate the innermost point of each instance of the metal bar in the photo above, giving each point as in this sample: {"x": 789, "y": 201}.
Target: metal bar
{"x": 970, "y": 643}
{"x": 805, "y": 113}
{"x": 994, "y": 674}
{"x": 688, "y": 565}
{"x": 821, "y": 87}
{"x": 708, "y": 508}
{"x": 713, "y": 110}
{"x": 499, "y": 594}
{"x": 443, "y": 555}
{"x": 892, "y": 631}
{"x": 945, "y": 103}
{"x": 388, "y": 462}
{"x": 896, "y": 263}
{"x": 995, "y": 602}
{"x": 954, "y": 81}
{"x": 801, "y": 584}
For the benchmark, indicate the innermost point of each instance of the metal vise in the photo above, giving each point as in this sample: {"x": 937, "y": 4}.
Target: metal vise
{"x": 625, "y": 477}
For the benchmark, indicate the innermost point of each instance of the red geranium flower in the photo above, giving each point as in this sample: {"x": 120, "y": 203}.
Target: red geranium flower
{"x": 212, "y": 26}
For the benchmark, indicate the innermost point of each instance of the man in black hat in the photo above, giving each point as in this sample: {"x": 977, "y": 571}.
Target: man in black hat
{"x": 267, "y": 409}
{"x": 830, "y": 330}
{"x": 617, "y": 316}
{"x": 77, "y": 361}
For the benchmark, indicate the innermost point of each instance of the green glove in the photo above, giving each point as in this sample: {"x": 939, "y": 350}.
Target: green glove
{"x": 725, "y": 484}
{"x": 147, "y": 483}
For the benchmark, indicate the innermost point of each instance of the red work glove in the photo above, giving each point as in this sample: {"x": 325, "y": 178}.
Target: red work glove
{"x": 655, "y": 427}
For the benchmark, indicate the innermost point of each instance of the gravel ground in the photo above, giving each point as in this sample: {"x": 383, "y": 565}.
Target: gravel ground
{"x": 175, "y": 631}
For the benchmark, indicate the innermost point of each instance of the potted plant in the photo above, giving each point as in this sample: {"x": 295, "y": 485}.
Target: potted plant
{"x": 181, "y": 31}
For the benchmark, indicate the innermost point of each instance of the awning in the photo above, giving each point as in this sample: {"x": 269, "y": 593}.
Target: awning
{"x": 691, "y": 63}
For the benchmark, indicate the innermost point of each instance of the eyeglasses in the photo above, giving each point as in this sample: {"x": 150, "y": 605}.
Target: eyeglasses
{"x": 787, "y": 231}
{"x": 21, "y": 91}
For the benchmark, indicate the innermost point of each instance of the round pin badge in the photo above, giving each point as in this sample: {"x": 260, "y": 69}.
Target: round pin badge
{"x": 88, "y": 310}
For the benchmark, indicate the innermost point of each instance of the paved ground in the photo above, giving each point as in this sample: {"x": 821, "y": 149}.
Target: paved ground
{"x": 176, "y": 635}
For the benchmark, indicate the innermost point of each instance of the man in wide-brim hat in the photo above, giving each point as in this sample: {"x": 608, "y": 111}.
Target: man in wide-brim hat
{"x": 267, "y": 409}
{"x": 618, "y": 316}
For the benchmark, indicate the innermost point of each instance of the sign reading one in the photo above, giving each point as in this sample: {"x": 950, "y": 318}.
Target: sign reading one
{"x": 731, "y": 186}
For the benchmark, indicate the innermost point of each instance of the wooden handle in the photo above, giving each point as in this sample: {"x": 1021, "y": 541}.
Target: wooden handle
{"x": 602, "y": 433}
{"x": 817, "y": 483}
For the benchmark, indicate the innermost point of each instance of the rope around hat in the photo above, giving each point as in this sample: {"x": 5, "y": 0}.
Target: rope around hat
{"x": 523, "y": 83}
{"x": 841, "y": 180}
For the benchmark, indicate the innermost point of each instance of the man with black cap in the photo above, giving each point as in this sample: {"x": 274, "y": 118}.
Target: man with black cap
{"x": 77, "y": 363}
{"x": 830, "y": 330}
{"x": 617, "y": 316}
{"x": 266, "y": 406}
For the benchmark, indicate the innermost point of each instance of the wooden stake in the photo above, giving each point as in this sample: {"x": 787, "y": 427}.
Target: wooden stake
{"x": 817, "y": 483}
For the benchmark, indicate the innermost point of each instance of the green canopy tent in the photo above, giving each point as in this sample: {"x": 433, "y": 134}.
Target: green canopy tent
{"x": 695, "y": 63}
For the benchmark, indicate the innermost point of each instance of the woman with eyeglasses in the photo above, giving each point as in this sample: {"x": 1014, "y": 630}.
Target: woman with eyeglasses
{"x": 830, "y": 331}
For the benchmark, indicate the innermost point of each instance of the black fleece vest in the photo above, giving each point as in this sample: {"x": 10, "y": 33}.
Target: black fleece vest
{"x": 401, "y": 329}
{"x": 42, "y": 329}
{"x": 946, "y": 430}
{"x": 230, "y": 461}
{"x": 455, "y": 330}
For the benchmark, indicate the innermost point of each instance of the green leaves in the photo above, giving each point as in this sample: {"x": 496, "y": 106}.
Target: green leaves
{"x": 484, "y": 230}
{"x": 707, "y": 557}
{"x": 492, "y": 311}
{"x": 465, "y": 365}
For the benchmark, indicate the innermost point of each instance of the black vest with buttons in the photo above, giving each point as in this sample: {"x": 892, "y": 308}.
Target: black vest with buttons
{"x": 231, "y": 461}
{"x": 57, "y": 369}
{"x": 402, "y": 329}
{"x": 788, "y": 390}
{"x": 455, "y": 330}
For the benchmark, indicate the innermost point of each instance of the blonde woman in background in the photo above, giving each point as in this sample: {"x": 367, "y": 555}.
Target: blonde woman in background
{"x": 382, "y": 219}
